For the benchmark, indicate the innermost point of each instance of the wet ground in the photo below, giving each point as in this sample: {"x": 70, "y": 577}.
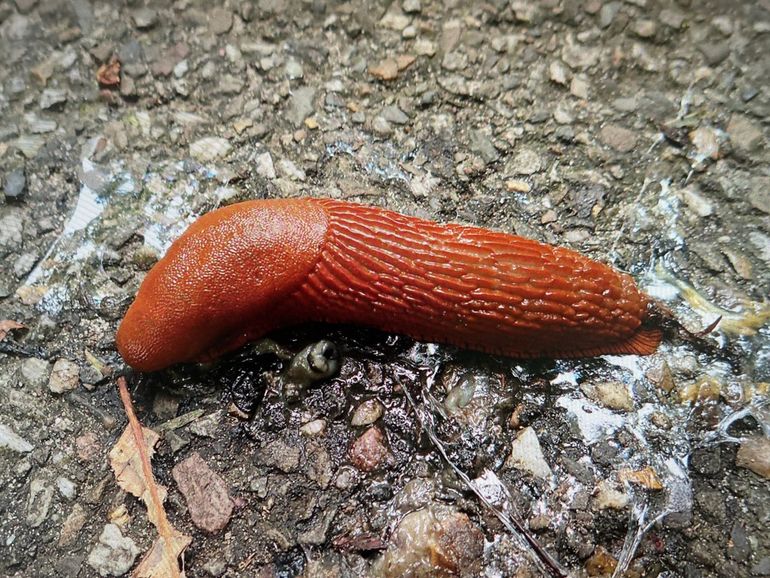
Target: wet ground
{"x": 634, "y": 131}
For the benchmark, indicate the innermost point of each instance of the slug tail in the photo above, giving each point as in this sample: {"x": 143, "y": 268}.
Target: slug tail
{"x": 644, "y": 342}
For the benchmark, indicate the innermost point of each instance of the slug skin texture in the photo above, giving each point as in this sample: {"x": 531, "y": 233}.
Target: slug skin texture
{"x": 242, "y": 271}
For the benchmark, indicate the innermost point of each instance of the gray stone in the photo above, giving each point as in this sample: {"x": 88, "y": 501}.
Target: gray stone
{"x": 35, "y": 371}
{"x": 288, "y": 169}
{"x": 280, "y": 455}
{"x": 762, "y": 243}
{"x": 671, "y": 18}
{"x": 209, "y": 148}
{"x": 25, "y": 6}
{"x": 53, "y": 98}
{"x": 411, "y": 6}
{"x": 206, "y": 426}
{"x": 293, "y": 69}
{"x": 66, "y": 488}
{"x": 607, "y": 13}
{"x": 264, "y": 165}
{"x": 15, "y": 184}
{"x": 215, "y": 567}
{"x": 619, "y": 138}
{"x": 526, "y": 162}
{"x": 144, "y": 18}
{"x": 483, "y": 146}
{"x": 759, "y": 195}
{"x": 715, "y": 52}
{"x": 301, "y": 104}
{"x": 13, "y": 441}
{"x": 381, "y": 126}
{"x": 394, "y": 115}
{"x": 24, "y": 264}
{"x": 745, "y": 135}
{"x": 39, "y": 501}
{"x": 696, "y": 202}
{"x": 114, "y": 554}
{"x": 65, "y": 376}
{"x": 220, "y": 20}
{"x": 645, "y": 28}
{"x": 558, "y": 72}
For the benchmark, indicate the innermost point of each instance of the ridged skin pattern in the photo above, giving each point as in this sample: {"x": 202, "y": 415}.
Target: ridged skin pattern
{"x": 242, "y": 271}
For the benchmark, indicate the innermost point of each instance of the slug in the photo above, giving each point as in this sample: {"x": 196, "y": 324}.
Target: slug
{"x": 241, "y": 271}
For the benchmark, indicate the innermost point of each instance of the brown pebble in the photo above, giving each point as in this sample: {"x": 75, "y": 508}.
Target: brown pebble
{"x": 369, "y": 451}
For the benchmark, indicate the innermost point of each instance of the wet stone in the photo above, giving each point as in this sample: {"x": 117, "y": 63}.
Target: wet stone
{"x": 527, "y": 455}
{"x": 206, "y": 426}
{"x": 707, "y": 461}
{"x": 368, "y": 452}
{"x": 114, "y": 554}
{"x": 612, "y": 394}
{"x": 318, "y": 466}
{"x": 754, "y": 454}
{"x": 205, "y": 493}
{"x": 367, "y": 413}
{"x": 427, "y": 536}
{"x": 313, "y": 428}
{"x": 606, "y": 496}
{"x": 739, "y": 548}
{"x": 15, "y": 184}
{"x": 281, "y": 455}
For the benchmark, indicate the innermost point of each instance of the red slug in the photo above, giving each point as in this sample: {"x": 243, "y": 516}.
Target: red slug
{"x": 242, "y": 271}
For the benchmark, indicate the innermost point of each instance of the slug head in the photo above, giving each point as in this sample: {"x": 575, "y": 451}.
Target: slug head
{"x": 219, "y": 283}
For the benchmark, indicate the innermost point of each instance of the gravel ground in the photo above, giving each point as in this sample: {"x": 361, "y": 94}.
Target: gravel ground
{"x": 634, "y": 131}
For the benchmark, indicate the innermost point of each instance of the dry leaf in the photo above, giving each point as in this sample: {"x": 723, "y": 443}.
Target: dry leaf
{"x": 7, "y": 325}
{"x": 130, "y": 460}
{"x": 108, "y": 75}
{"x": 645, "y": 477}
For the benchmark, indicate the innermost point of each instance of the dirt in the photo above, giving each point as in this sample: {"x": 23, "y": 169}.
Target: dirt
{"x": 635, "y": 132}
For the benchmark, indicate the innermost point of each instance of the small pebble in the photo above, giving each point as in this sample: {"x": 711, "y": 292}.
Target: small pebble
{"x": 65, "y": 376}
{"x": 367, "y": 413}
{"x": 527, "y": 455}
{"x": 368, "y": 452}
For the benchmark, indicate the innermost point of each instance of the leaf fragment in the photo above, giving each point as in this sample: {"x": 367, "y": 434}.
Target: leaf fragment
{"x": 7, "y": 325}
{"x": 130, "y": 461}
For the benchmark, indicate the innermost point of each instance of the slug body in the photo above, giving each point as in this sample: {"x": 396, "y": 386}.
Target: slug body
{"x": 242, "y": 271}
